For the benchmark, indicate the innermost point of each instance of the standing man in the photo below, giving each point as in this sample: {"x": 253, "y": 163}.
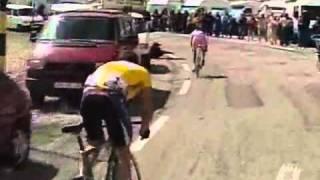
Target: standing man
{"x": 218, "y": 25}
{"x": 262, "y": 28}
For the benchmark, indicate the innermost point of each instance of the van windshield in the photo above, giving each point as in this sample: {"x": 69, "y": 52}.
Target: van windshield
{"x": 80, "y": 28}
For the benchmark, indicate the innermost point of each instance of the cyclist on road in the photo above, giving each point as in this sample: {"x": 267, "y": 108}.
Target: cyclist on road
{"x": 198, "y": 39}
{"x": 104, "y": 98}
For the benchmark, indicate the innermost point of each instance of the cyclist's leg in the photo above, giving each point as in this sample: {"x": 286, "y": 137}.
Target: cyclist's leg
{"x": 92, "y": 111}
{"x": 204, "y": 57}
{"x": 120, "y": 132}
{"x": 194, "y": 53}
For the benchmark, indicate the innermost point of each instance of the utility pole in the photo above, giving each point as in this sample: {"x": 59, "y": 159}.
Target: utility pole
{"x": 3, "y": 27}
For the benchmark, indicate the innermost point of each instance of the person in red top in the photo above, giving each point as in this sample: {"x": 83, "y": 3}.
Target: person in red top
{"x": 251, "y": 24}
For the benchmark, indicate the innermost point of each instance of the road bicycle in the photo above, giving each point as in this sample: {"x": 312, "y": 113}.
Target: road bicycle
{"x": 199, "y": 58}
{"x": 89, "y": 157}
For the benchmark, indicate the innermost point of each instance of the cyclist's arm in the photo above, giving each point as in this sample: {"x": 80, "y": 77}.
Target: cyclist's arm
{"x": 146, "y": 99}
{"x": 147, "y": 109}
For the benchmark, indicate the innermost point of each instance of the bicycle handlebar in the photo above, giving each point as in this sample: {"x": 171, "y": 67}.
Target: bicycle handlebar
{"x": 76, "y": 129}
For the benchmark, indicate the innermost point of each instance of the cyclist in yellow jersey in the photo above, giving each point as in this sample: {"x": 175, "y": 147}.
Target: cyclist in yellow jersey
{"x": 104, "y": 98}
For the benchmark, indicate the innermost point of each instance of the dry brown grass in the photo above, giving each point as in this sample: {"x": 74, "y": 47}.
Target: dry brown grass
{"x": 19, "y": 49}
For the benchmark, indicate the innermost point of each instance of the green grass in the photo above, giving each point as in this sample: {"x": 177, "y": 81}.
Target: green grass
{"x": 46, "y": 134}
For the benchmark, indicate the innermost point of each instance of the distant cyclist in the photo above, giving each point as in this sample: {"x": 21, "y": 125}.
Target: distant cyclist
{"x": 104, "y": 98}
{"x": 198, "y": 39}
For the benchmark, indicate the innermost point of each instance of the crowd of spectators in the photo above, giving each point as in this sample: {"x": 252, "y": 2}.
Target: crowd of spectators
{"x": 276, "y": 30}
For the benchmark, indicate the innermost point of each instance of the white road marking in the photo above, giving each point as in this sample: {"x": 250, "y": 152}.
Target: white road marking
{"x": 186, "y": 67}
{"x": 154, "y": 128}
{"x": 185, "y": 87}
{"x": 289, "y": 171}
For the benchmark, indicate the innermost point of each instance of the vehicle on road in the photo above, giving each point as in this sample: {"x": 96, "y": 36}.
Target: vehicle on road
{"x": 276, "y": 8}
{"x": 22, "y": 17}
{"x": 71, "y": 46}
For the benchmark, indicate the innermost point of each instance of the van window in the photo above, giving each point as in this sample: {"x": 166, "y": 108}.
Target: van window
{"x": 127, "y": 28}
{"x": 86, "y": 28}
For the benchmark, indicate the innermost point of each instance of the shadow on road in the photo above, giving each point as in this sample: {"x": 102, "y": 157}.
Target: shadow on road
{"x": 159, "y": 69}
{"x": 160, "y": 97}
{"x": 32, "y": 171}
{"x": 172, "y": 58}
{"x": 156, "y": 52}
{"x": 214, "y": 77}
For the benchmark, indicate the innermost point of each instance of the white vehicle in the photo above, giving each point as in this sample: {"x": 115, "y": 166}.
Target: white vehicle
{"x": 276, "y": 7}
{"x": 312, "y": 7}
{"x": 21, "y": 17}
{"x": 61, "y": 6}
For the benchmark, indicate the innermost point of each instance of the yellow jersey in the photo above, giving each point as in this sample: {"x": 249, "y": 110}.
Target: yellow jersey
{"x": 131, "y": 77}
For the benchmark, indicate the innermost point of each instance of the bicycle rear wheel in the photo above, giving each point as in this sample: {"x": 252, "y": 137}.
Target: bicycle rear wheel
{"x": 199, "y": 58}
{"x": 135, "y": 171}
{"x": 113, "y": 168}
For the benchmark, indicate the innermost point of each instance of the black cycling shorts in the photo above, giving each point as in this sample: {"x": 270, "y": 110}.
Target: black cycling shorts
{"x": 112, "y": 109}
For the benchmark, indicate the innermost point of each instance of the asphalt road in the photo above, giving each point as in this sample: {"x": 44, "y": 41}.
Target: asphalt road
{"x": 252, "y": 115}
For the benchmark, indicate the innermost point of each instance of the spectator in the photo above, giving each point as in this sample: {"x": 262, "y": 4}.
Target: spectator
{"x": 185, "y": 21}
{"x": 218, "y": 25}
{"x": 156, "y": 20}
{"x": 242, "y": 26}
{"x": 233, "y": 27}
{"x": 225, "y": 24}
{"x": 303, "y": 25}
{"x": 164, "y": 19}
{"x": 172, "y": 21}
{"x": 316, "y": 26}
{"x": 295, "y": 22}
{"x": 179, "y": 22}
{"x": 251, "y": 24}
{"x": 208, "y": 23}
{"x": 262, "y": 28}
{"x": 274, "y": 26}
{"x": 41, "y": 11}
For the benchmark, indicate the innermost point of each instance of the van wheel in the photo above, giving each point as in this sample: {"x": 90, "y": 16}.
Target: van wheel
{"x": 37, "y": 97}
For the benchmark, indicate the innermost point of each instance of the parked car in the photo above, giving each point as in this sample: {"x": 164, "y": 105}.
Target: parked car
{"x": 22, "y": 17}
{"x": 15, "y": 120}
{"x": 72, "y": 45}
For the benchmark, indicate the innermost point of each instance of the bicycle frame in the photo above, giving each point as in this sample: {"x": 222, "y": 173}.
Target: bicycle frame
{"x": 87, "y": 162}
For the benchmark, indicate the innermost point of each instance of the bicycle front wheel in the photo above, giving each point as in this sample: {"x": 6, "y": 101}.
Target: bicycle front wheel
{"x": 135, "y": 171}
{"x": 113, "y": 168}
{"x": 199, "y": 59}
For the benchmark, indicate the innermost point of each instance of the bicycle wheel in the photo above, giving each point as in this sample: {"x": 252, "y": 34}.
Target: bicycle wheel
{"x": 135, "y": 171}
{"x": 199, "y": 57}
{"x": 113, "y": 165}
